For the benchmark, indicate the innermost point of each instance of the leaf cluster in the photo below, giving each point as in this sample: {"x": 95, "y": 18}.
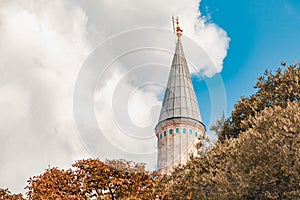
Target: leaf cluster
{"x": 273, "y": 90}
{"x": 5, "y": 194}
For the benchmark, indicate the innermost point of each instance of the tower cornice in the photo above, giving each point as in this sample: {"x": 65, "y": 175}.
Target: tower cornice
{"x": 179, "y": 120}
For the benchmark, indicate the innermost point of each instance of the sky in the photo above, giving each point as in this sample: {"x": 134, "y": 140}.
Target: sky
{"x": 263, "y": 33}
{"x": 81, "y": 79}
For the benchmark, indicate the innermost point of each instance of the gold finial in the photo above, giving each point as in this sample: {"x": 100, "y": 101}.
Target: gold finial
{"x": 178, "y": 29}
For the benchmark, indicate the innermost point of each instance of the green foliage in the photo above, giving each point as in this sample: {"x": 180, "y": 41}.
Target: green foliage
{"x": 273, "y": 90}
{"x": 263, "y": 163}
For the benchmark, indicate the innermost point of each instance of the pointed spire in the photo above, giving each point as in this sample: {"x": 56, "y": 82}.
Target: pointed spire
{"x": 180, "y": 100}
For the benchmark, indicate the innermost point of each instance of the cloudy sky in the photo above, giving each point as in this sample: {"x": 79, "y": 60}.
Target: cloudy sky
{"x": 82, "y": 79}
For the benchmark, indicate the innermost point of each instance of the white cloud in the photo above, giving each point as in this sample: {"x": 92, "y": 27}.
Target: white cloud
{"x": 43, "y": 45}
{"x": 134, "y": 140}
{"x": 40, "y": 57}
{"x": 111, "y": 17}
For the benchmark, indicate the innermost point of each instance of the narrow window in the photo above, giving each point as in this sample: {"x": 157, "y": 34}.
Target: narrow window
{"x": 160, "y": 136}
{"x": 177, "y": 130}
{"x": 191, "y": 132}
{"x": 165, "y": 133}
{"x": 171, "y": 131}
{"x": 184, "y": 130}
{"x": 196, "y": 134}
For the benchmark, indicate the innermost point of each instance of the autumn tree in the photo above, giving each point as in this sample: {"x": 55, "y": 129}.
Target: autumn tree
{"x": 115, "y": 179}
{"x": 55, "y": 184}
{"x": 5, "y": 194}
{"x": 94, "y": 179}
{"x": 272, "y": 90}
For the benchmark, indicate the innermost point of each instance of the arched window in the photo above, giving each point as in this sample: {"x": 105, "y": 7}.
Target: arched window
{"x": 177, "y": 130}
{"x": 160, "y": 136}
{"x": 196, "y": 134}
{"x": 165, "y": 133}
{"x": 184, "y": 130}
{"x": 191, "y": 132}
{"x": 171, "y": 131}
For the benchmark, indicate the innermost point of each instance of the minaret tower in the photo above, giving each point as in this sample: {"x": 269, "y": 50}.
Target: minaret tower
{"x": 180, "y": 124}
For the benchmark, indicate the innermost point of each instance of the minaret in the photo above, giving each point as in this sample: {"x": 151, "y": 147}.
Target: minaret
{"x": 180, "y": 123}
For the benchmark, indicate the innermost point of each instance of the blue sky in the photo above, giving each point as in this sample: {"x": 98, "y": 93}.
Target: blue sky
{"x": 263, "y": 33}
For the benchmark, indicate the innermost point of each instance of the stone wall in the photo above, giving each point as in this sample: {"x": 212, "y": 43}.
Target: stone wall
{"x": 177, "y": 139}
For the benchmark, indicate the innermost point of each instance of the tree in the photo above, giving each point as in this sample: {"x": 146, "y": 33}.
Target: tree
{"x": 55, "y": 184}
{"x": 115, "y": 179}
{"x": 5, "y": 194}
{"x": 266, "y": 162}
{"x": 94, "y": 179}
{"x": 273, "y": 90}
{"x": 262, "y": 163}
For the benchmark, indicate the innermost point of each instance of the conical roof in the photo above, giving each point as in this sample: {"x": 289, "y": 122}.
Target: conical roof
{"x": 180, "y": 100}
